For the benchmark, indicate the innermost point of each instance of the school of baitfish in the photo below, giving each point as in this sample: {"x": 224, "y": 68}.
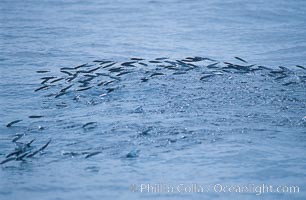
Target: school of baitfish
{"x": 93, "y": 81}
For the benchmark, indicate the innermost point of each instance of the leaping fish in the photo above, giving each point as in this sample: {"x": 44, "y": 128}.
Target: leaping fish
{"x": 46, "y": 79}
{"x": 105, "y": 62}
{"x": 46, "y": 145}
{"x": 66, "y": 88}
{"x": 299, "y": 66}
{"x": 213, "y": 65}
{"x": 128, "y": 64}
{"x": 136, "y": 59}
{"x": 56, "y": 80}
{"x": 122, "y": 73}
{"x": 67, "y": 68}
{"x": 6, "y": 160}
{"x": 82, "y": 89}
{"x": 144, "y": 79}
{"x": 88, "y": 124}
{"x": 42, "y": 87}
{"x": 17, "y": 137}
{"x": 69, "y": 79}
{"x": 157, "y": 74}
{"x": 206, "y": 76}
{"x": 13, "y": 122}
{"x": 154, "y": 61}
{"x": 39, "y": 150}
{"x": 42, "y": 71}
{"x": 242, "y": 60}
{"x": 109, "y": 65}
{"x": 93, "y": 154}
{"x": 92, "y": 70}
{"x": 77, "y": 67}
{"x": 60, "y": 94}
{"x": 35, "y": 116}
{"x": 143, "y": 64}
{"x": 22, "y": 156}
{"x": 14, "y": 153}
{"x": 65, "y": 72}
{"x": 161, "y": 58}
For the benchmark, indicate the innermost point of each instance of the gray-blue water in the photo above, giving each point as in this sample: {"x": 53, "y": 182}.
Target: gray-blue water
{"x": 232, "y": 128}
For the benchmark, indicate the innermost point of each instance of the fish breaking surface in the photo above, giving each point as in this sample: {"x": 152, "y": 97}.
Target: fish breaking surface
{"x": 191, "y": 100}
{"x": 94, "y": 115}
{"x": 89, "y": 83}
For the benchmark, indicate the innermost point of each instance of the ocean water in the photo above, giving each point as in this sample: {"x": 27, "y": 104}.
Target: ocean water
{"x": 229, "y": 124}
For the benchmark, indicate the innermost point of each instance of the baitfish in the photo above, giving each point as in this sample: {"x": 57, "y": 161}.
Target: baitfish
{"x": 66, "y": 72}
{"x": 133, "y": 154}
{"x": 289, "y": 83}
{"x": 6, "y": 160}
{"x": 117, "y": 69}
{"x": 178, "y": 73}
{"x": 171, "y": 67}
{"x": 33, "y": 154}
{"x": 13, "y": 122}
{"x": 143, "y": 64}
{"x": 45, "y": 146}
{"x": 109, "y": 65}
{"x": 60, "y": 94}
{"x": 144, "y": 79}
{"x": 82, "y": 89}
{"x": 299, "y": 66}
{"x": 35, "y": 116}
{"x": 101, "y": 83}
{"x": 171, "y": 62}
{"x": 192, "y": 65}
{"x": 122, "y": 73}
{"x": 154, "y": 61}
{"x": 90, "y": 75}
{"x": 42, "y": 87}
{"x": 280, "y": 77}
{"x": 56, "y": 80}
{"x": 42, "y": 71}
{"x": 157, "y": 74}
{"x": 110, "y": 90}
{"x": 48, "y": 77}
{"x": 206, "y": 76}
{"x": 263, "y": 67}
{"x": 108, "y": 82}
{"x": 77, "y": 67}
{"x": 14, "y": 153}
{"x": 181, "y": 63}
{"x": 67, "y": 68}
{"x": 92, "y": 70}
{"x": 93, "y": 154}
{"x": 193, "y": 59}
{"x": 22, "y": 156}
{"x": 136, "y": 59}
{"x": 39, "y": 150}
{"x": 69, "y": 79}
{"x": 27, "y": 145}
{"x": 161, "y": 58}
{"x": 213, "y": 65}
{"x": 128, "y": 64}
{"x": 88, "y": 124}
{"x": 17, "y": 137}
{"x": 66, "y": 88}
{"x": 242, "y": 60}
{"x": 105, "y": 62}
